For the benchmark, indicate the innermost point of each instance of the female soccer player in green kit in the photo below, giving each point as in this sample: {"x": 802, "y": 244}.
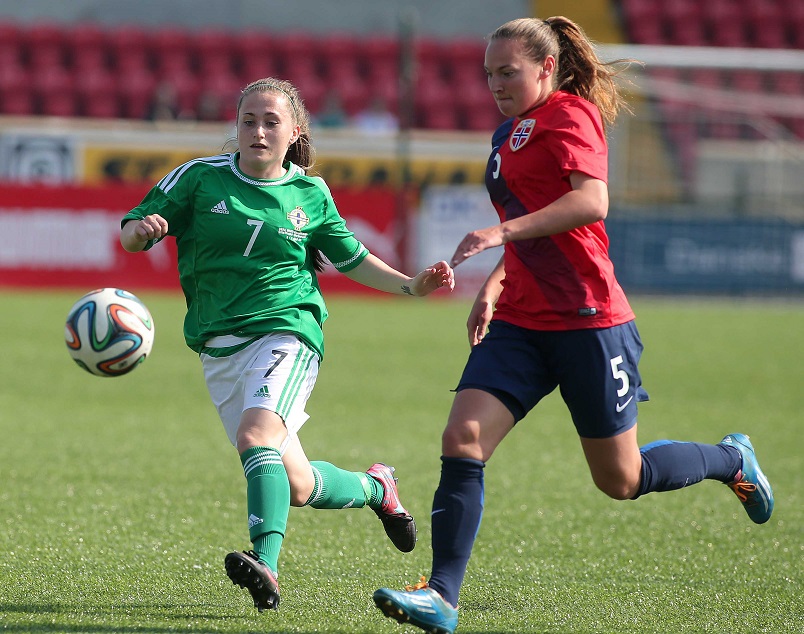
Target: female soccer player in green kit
{"x": 250, "y": 228}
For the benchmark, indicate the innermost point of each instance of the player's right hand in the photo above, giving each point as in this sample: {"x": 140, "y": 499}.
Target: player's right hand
{"x": 151, "y": 227}
{"x": 479, "y": 319}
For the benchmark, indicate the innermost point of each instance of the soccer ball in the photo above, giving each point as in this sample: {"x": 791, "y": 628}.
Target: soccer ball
{"x": 109, "y": 332}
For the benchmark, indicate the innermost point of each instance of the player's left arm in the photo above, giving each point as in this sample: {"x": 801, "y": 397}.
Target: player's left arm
{"x": 586, "y": 203}
{"x": 375, "y": 273}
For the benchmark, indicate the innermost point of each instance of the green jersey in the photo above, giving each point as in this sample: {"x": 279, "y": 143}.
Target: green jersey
{"x": 243, "y": 248}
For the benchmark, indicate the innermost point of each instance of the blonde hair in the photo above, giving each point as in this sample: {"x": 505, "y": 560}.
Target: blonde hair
{"x": 301, "y": 152}
{"x": 578, "y": 69}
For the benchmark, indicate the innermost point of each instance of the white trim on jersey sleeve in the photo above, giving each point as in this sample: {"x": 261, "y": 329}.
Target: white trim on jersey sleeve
{"x": 170, "y": 180}
{"x": 360, "y": 251}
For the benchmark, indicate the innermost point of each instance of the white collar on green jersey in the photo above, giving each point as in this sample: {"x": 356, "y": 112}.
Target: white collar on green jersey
{"x": 292, "y": 168}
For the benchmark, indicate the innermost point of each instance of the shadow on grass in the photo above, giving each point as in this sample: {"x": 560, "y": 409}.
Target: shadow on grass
{"x": 80, "y": 619}
{"x": 72, "y": 619}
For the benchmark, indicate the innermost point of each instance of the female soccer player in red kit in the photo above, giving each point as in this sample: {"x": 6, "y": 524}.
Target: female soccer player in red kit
{"x": 555, "y": 314}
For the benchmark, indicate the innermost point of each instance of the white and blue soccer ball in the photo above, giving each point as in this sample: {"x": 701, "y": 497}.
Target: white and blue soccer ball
{"x": 109, "y": 332}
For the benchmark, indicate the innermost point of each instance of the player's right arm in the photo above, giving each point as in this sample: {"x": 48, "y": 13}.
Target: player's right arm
{"x": 136, "y": 234}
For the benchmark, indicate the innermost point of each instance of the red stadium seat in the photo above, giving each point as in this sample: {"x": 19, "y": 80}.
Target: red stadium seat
{"x": 254, "y": 55}
{"x": 747, "y": 80}
{"x": 171, "y": 49}
{"x": 130, "y": 49}
{"x": 434, "y": 100}
{"x": 298, "y": 54}
{"x": 97, "y": 93}
{"x": 16, "y": 96}
{"x": 312, "y": 91}
{"x": 682, "y": 19}
{"x": 57, "y": 102}
{"x": 224, "y": 88}
{"x": 725, "y": 23}
{"x": 441, "y": 119}
{"x": 45, "y": 46}
{"x": 680, "y": 10}
{"x": 482, "y": 119}
{"x": 214, "y": 51}
{"x": 255, "y": 68}
{"x": 87, "y": 46}
{"x": 773, "y": 34}
{"x": 641, "y": 10}
{"x": 648, "y": 32}
{"x": 472, "y": 95}
{"x": 135, "y": 90}
{"x": 381, "y": 57}
{"x": 465, "y": 55}
{"x": 788, "y": 82}
{"x": 106, "y": 107}
{"x": 188, "y": 90}
{"x": 354, "y": 92}
{"x": 642, "y": 22}
{"x": 301, "y": 70}
{"x": 706, "y": 77}
{"x": 729, "y": 34}
{"x": 11, "y": 43}
{"x": 430, "y": 59}
{"x": 340, "y": 52}
{"x": 683, "y": 32}
{"x": 794, "y": 16}
{"x": 20, "y": 103}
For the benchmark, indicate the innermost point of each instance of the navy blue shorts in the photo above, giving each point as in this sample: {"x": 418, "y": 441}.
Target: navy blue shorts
{"x": 595, "y": 370}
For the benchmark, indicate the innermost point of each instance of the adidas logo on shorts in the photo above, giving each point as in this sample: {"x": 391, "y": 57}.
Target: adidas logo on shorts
{"x": 262, "y": 393}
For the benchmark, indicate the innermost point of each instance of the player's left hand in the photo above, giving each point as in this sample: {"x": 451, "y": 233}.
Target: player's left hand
{"x": 439, "y": 275}
{"x": 477, "y": 241}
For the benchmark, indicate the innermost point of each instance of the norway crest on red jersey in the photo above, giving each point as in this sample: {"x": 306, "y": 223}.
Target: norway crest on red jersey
{"x": 521, "y": 134}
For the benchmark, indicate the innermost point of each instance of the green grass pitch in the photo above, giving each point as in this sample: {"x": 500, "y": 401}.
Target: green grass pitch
{"x": 120, "y": 497}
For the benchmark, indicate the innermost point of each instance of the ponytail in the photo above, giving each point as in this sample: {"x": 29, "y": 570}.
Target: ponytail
{"x": 579, "y": 71}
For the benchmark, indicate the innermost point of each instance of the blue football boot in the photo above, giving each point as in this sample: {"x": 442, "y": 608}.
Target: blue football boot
{"x": 419, "y": 605}
{"x": 750, "y": 484}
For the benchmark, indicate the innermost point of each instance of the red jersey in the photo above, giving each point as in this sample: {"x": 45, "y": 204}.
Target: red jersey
{"x": 565, "y": 281}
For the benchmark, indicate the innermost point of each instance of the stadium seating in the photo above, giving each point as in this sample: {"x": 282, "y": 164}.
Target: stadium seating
{"x": 107, "y": 72}
{"x": 16, "y": 95}
{"x": 730, "y": 23}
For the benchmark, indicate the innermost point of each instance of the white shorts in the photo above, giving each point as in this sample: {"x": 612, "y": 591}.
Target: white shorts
{"x": 277, "y": 372}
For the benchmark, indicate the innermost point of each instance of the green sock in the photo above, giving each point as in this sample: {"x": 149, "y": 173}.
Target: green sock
{"x": 268, "y": 492}
{"x": 338, "y": 489}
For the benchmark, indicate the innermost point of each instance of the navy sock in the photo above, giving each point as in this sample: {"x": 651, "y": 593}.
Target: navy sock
{"x": 457, "y": 511}
{"x": 669, "y": 464}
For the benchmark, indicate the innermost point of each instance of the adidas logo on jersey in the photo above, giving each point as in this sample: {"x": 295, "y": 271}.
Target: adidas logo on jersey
{"x": 220, "y": 208}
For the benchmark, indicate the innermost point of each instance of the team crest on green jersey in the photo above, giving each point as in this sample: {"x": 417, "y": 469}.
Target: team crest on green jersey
{"x": 298, "y": 218}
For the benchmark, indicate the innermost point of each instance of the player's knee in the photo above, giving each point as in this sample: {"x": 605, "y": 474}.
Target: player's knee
{"x": 459, "y": 441}
{"x": 617, "y": 487}
{"x": 299, "y": 498}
